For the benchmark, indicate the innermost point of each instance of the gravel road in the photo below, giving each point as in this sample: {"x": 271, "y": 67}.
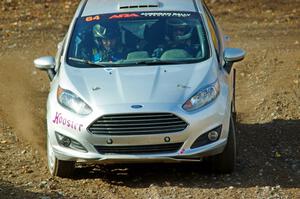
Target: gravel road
{"x": 268, "y": 106}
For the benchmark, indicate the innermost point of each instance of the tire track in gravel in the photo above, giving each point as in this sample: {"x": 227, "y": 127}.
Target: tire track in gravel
{"x": 22, "y": 98}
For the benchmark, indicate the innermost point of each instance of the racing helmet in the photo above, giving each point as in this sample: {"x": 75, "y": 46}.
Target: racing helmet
{"x": 178, "y": 29}
{"x": 99, "y": 31}
{"x": 104, "y": 33}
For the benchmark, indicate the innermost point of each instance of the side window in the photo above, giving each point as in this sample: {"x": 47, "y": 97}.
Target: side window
{"x": 214, "y": 32}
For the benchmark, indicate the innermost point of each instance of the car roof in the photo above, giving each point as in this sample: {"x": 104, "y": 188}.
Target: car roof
{"x": 94, "y": 7}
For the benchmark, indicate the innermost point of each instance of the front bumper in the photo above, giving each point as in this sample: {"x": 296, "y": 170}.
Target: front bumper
{"x": 200, "y": 122}
{"x": 188, "y": 155}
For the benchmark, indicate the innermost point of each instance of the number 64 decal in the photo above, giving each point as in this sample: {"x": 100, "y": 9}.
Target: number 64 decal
{"x": 92, "y": 18}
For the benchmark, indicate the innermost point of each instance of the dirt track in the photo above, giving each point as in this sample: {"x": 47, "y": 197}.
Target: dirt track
{"x": 268, "y": 105}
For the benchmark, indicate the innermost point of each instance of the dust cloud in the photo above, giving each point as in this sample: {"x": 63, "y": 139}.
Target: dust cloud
{"x": 23, "y": 96}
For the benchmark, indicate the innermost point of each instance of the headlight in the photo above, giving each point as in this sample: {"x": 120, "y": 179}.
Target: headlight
{"x": 72, "y": 102}
{"x": 203, "y": 97}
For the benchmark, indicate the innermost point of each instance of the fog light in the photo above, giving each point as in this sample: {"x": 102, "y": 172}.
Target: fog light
{"x": 63, "y": 140}
{"x": 213, "y": 136}
{"x": 208, "y": 137}
{"x": 69, "y": 142}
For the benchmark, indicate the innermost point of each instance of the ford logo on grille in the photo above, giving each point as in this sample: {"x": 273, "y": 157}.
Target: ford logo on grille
{"x": 136, "y": 106}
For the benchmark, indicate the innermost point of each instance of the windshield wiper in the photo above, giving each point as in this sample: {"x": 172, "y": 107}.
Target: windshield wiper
{"x": 159, "y": 62}
{"x": 89, "y": 62}
{"x": 141, "y": 62}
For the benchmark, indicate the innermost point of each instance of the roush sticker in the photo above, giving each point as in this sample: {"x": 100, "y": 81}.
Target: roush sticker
{"x": 165, "y": 14}
{"x": 63, "y": 121}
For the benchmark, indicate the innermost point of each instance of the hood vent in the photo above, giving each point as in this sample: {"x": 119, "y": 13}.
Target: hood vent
{"x": 138, "y": 4}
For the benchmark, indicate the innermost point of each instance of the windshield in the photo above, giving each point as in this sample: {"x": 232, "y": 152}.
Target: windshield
{"x": 141, "y": 38}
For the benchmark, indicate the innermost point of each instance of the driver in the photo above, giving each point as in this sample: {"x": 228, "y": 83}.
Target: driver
{"x": 107, "y": 48}
{"x": 179, "y": 34}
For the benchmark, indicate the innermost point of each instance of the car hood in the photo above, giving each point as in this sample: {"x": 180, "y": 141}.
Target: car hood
{"x": 138, "y": 85}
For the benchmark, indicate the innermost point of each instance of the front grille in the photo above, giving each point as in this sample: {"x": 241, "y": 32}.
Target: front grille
{"x": 144, "y": 149}
{"x": 137, "y": 124}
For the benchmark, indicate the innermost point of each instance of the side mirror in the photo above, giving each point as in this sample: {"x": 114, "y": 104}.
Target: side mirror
{"x": 232, "y": 55}
{"x": 46, "y": 63}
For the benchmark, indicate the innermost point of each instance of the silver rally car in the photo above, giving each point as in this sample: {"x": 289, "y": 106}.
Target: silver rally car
{"x": 141, "y": 81}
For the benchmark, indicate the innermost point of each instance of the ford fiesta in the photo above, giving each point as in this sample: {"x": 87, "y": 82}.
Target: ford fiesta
{"x": 141, "y": 81}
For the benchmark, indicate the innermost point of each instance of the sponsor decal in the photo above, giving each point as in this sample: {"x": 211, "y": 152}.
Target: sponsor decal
{"x": 123, "y": 16}
{"x": 92, "y": 18}
{"x": 96, "y": 88}
{"x": 59, "y": 119}
{"x": 182, "y": 86}
{"x": 165, "y": 14}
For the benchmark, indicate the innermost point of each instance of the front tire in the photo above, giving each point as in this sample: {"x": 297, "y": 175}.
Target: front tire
{"x": 57, "y": 167}
{"x": 225, "y": 162}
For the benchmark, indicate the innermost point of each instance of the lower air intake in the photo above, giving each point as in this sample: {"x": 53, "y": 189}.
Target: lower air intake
{"x": 144, "y": 149}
